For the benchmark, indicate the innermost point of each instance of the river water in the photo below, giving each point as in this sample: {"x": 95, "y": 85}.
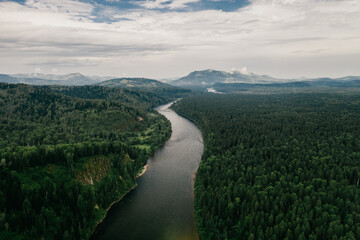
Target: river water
{"x": 161, "y": 207}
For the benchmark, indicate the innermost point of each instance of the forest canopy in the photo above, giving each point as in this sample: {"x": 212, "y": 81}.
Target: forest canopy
{"x": 67, "y": 153}
{"x": 277, "y": 166}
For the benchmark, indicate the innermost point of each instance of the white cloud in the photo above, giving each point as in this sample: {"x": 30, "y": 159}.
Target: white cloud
{"x": 242, "y": 70}
{"x": 65, "y": 6}
{"x": 170, "y": 4}
{"x": 279, "y": 37}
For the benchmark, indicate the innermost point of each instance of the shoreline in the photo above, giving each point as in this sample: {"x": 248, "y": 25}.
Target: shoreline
{"x": 101, "y": 220}
{"x": 193, "y": 178}
{"x": 143, "y": 171}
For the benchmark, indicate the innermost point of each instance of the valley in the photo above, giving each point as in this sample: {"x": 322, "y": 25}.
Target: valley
{"x": 179, "y": 120}
{"x": 275, "y": 154}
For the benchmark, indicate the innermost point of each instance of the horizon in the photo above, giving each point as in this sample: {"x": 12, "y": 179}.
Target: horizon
{"x": 173, "y": 78}
{"x": 167, "y": 39}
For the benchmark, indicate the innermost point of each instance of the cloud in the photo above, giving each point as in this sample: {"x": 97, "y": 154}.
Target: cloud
{"x": 65, "y": 6}
{"x": 242, "y": 70}
{"x": 285, "y": 38}
{"x": 161, "y": 4}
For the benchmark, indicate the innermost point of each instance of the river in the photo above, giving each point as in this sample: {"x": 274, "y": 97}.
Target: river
{"x": 161, "y": 207}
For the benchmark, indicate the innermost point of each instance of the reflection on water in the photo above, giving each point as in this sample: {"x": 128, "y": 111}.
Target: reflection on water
{"x": 161, "y": 207}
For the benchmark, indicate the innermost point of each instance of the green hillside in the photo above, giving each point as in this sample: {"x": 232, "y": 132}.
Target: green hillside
{"x": 130, "y": 97}
{"x": 145, "y": 84}
{"x": 64, "y": 159}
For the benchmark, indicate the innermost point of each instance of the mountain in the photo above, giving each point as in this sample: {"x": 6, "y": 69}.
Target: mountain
{"x": 134, "y": 83}
{"x": 208, "y": 78}
{"x": 72, "y": 79}
{"x": 8, "y": 79}
{"x": 349, "y": 81}
{"x": 221, "y": 81}
{"x": 132, "y": 97}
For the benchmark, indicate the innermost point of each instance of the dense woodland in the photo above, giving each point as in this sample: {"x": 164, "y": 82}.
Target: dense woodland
{"x": 67, "y": 153}
{"x": 149, "y": 85}
{"x": 277, "y": 166}
{"x": 136, "y": 98}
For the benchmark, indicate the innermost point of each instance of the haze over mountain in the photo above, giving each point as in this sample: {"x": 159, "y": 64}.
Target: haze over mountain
{"x": 145, "y": 84}
{"x": 72, "y": 79}
{"x": 204, "y": 79}
{"x": 209, "y": 77}
{"x": 67, "y": 77}
{"x": 135, "y": 83}
{"x": 8, "y": 79}
{"x": 221, "y": 80}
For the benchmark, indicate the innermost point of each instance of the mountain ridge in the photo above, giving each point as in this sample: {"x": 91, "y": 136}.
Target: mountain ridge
{"x": 200, "y": 79}
{"x": 211, "y": 78}
{"x": 71, "y": 79}
{"x": 135, "y": 83}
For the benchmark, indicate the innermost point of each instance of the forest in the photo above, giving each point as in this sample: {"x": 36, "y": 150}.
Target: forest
{"x": 68, "y": 153}
{"x": 144, "y": 98}
{"x": 274, "y": 166}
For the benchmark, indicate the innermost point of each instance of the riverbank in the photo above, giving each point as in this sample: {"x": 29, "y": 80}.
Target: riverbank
{"x": 143, "y": 171}
{"x": 100, "y": 221}
{"x": 190, "y": 119}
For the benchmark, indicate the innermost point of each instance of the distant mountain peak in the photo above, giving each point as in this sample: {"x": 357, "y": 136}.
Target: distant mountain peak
{"x": 135, "y": 83}
{"x": 75, "y": 79}
{"x": 75, "y": 75}
{"x": 208, "y": 77}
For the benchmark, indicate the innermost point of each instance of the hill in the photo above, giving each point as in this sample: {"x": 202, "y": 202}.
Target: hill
{"x": 64, "y": 159}
{"x": 222, "y": 81}
{"x": 144, "y": 84}
{"x": 131, "y": 97}
{"x": 8, "y": 79}
{"x": 73, "y": 79}
{"x": 208, "y": 78}
{"x": 135, "y": 83}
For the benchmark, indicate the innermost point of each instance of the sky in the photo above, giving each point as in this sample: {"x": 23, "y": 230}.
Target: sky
{"x": 171, "y": 38}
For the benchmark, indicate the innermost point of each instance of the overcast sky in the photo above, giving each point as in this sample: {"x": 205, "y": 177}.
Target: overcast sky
{"x": 170, "y": 38}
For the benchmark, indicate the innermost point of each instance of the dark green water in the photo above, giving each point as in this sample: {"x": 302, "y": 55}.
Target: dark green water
{"x": 161, "y": 207}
